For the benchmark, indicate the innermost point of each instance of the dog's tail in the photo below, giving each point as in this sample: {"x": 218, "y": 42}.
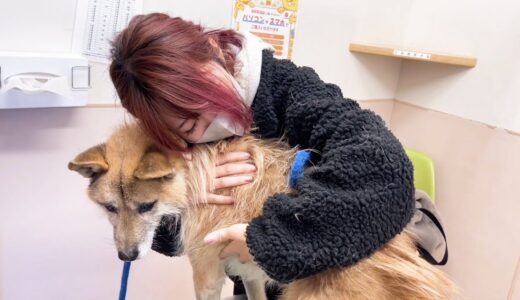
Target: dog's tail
{"x": 407, "y": 275}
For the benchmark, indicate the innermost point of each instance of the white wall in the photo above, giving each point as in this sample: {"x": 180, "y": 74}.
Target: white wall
{"x": 31, "y": 25}
{"x": 323, "y": 32}
{"x": 488, "y": 30}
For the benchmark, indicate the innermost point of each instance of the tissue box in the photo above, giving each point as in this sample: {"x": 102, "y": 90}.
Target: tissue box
{"x": 43, "y": 80}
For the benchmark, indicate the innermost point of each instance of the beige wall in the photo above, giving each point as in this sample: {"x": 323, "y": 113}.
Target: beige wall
{"x": 383, "y": 107}
{"x": 477, "y": 176}
{"x": 54, "y": 240}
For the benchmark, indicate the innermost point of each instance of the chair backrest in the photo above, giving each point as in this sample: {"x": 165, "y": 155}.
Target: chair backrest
{"x": 424, "y": 172}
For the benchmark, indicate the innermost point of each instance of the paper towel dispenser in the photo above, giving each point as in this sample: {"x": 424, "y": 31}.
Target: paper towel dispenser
{"x": 43, "y": 80}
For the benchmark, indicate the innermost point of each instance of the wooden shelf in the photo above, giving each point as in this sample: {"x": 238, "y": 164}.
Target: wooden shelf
{"x": 419, "y": 55}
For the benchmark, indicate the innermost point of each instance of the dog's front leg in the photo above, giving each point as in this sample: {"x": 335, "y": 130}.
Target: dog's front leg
{"x": 255, "y": 289}
{"x": 208, "y": 277}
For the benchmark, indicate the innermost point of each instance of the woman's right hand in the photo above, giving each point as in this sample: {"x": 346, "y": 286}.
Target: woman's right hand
{"x": 232, "y": 170}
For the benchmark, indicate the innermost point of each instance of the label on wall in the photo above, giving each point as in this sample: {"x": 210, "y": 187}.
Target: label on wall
{"x": 412, "y": 54}
{"x": 272, "y": 20}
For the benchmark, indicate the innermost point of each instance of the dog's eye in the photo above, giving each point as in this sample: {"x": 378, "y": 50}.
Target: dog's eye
{"x": 110, "y": 208}
{"x": 145, "y": 207}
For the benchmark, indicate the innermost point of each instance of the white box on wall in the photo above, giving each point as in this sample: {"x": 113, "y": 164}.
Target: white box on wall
{"x": 29, "y": 80}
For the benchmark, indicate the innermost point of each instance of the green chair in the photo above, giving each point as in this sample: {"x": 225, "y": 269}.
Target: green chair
{"x": 424, "y": 172}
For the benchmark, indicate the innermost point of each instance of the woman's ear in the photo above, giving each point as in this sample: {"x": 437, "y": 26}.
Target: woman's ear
{"x": 213, "y": 43}
{"x": 218, "y": 50}
{"x": 91, "y": 162}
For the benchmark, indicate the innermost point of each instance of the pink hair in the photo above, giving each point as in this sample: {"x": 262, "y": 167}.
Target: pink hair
{"x": 158, "y": 69}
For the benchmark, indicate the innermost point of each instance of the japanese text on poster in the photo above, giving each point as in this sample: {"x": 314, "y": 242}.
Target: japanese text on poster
{"x": 272, "y": 20}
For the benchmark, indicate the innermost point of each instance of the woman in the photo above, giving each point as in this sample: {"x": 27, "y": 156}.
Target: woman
{"x": 178, "y": 79}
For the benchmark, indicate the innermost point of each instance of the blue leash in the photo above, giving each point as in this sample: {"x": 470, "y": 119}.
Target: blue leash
{"x": 301, "y": 159}
{"x": 124, "y": 280}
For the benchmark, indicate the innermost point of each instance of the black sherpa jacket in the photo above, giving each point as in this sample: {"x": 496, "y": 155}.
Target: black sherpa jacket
{"x": 357, "y": 197}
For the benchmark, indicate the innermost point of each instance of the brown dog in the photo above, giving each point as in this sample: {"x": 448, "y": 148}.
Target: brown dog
{"x": 138, "y": 184}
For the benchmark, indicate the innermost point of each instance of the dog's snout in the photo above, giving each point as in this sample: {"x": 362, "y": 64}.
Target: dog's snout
{"x": 128, "y": 255}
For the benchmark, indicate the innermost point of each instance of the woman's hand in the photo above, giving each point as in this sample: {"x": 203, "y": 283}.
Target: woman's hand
{"x": 232, "y": 170}
{"x": 237, "y": 235}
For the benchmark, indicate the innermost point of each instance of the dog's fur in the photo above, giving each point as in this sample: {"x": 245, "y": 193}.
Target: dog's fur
{"x": 129, "y": 171}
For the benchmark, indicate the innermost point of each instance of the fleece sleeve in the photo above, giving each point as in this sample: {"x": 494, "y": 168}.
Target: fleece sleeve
{"x": 357, "y": 196}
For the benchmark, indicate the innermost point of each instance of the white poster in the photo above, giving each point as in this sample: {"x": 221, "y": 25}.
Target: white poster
{"x": 272, "y": 20}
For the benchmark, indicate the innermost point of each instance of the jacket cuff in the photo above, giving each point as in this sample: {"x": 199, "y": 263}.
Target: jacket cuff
{"x": 273, "y": 249}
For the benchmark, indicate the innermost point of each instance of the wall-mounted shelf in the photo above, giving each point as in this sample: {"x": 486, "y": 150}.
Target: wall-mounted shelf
{"x": 419, "y": 55}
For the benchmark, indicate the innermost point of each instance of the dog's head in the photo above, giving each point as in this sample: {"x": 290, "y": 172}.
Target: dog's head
{"x": 136, "y": 184}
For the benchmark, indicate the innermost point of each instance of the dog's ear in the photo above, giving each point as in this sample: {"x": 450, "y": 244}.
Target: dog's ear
{"x": 154, "y": 165}
{"x": 91, "y": 162}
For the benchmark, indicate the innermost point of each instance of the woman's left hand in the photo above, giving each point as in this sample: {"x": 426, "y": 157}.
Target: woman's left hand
{"x": 237, "y": 235}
